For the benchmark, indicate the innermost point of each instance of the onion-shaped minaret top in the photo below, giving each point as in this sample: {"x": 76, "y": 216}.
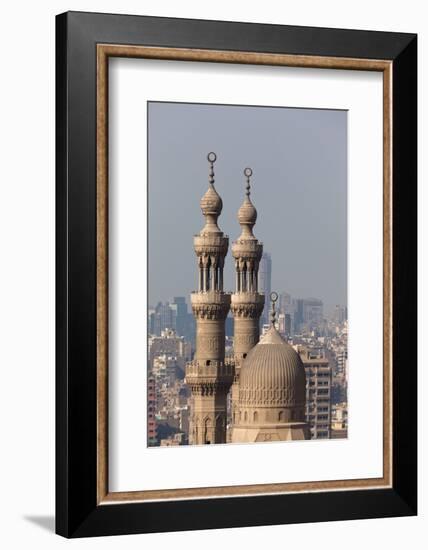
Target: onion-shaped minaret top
{"x": 247, "y": 250}
{"x": 247, "y": 214}
{"x": 210, "y": 243}
{"x": 211, "y": 203}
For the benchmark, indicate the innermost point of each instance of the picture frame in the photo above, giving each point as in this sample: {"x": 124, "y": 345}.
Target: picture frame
{"x": 84, "y": 44}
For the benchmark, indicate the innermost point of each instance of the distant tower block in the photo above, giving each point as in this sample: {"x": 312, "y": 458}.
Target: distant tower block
{"x": 247, "y": 302}
{"x": 208, "y": 376}
{"x": 265, "y": 279}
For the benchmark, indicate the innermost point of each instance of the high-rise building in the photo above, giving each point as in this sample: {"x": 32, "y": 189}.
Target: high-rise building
{"x": 286, "y": 312}
{"x": 284, "y": 324}
{"x": 313, "y": 312}
{"x": 298, "y": 314}
{"x": 308, "y": 314}
{"x": 247, "y": 303}
{"x": 185, "y": 323}
{"x": 340, "y": 375}
{"x": 340, "y": 314}
{"x": 285, "y": 303}
{"x": 151, "y": 407}
{"x": 166, "y": 369}
{"x": 161, "y": 318}
{"x": 342, "y": 360}
{"x": 208, "y": 375}
{"x": 151, "y": 320}
{"x": 318, "y": 391}
{"x": 181, "y": 306}
{"x": 168, "y": 343}
{"x": 265, "y": 283}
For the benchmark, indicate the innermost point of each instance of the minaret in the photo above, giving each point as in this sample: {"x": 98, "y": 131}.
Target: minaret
{"x": 247, "y": 302}
{"x": 208, "y": 376}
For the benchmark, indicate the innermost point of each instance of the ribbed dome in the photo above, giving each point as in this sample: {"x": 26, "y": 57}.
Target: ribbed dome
{"x": 211, "y": 203}
{"x": 247, "y": 214}
{"x": 272, "y": 373}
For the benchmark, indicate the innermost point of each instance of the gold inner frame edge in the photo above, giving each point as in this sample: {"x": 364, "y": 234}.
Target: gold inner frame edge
{"x": 104, "y": 52}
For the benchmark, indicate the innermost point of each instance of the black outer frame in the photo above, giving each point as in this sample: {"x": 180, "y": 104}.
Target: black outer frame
{"x": 77, "y": 513}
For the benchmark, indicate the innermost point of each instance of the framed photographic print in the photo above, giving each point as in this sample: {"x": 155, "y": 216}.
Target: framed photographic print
{"x": 236, "y": 274}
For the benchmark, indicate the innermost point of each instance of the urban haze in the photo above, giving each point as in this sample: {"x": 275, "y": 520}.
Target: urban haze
{"x": 299, "y": 163}
{"x": 244, "y": 364}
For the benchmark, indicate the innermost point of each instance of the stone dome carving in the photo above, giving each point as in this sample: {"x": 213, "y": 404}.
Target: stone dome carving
{"x": 211, "y": 203}
{"x": 247, "y": 213}
{"x": 272, "y": 374}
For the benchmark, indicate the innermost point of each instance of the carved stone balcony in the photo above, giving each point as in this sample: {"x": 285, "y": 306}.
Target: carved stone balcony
{"x": 247, "y": 304}
{"x": 250, "y": 249}
{"x": 207, "y": 376}
{"x": 211, "y": 244}
{"x": 212, "y": 304}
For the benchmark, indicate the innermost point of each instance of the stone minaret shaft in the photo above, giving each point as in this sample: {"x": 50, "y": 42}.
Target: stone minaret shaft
{"x": 208, "y": 375}
{"x": 247, "y": 302}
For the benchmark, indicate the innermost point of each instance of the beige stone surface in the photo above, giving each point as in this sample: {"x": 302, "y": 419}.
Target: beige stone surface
{"x": 268, "y": 394}
{"x": 208, "y": 375}
{"x": 272, "y": 393}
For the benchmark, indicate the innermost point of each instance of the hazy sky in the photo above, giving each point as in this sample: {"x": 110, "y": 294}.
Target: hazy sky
{"x": 299, "y": 187}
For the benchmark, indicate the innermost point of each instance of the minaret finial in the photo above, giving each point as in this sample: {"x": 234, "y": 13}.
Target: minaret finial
{"x": 273, "y": 299}
{"x": 212, "y": 157}
{"x": 247, "y": 214}
{"x": 211, "y": 203}
{"x": 248, "y": 173}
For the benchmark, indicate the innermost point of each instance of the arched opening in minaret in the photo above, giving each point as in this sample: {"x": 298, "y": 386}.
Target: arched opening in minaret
{"x": 244, "y": 278}
{"x": 208, "y": 275}
{"x": 207, "y": 430}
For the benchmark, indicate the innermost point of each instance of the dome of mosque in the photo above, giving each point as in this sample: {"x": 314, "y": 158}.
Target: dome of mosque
{"x": 272, "y": 374}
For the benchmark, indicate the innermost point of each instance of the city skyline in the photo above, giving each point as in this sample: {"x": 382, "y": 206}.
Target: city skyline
{"x": 277, "y": 377}
{"x": 303, "y": 242}
{"x": 327, "y": 315}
